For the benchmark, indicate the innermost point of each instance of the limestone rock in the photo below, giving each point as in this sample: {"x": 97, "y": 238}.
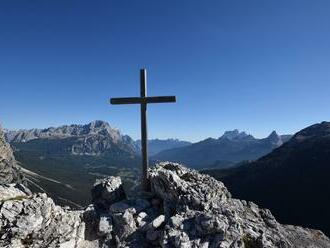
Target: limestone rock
{"x": 107, "y": 191}
{"x": 195, "y": 210}
{"x": 92, "y": 139}
{"x": 12, "y": 191}
{"x": 35, "y": 221}
{"x": 105, "y": 225}
{"x": 192, "y": 210}
{"x": 9, "y": 169}
{"x": 205, "y": 215}
{"x": 124, "y": 224}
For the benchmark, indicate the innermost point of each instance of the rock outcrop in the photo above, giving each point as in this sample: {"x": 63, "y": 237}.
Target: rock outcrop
{"x": 183, "y": 209}
{"x": 9, "y": 170}
{"x": 35, "y": 221}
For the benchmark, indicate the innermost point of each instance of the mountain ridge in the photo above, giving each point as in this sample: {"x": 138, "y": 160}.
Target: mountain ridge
{"x": 284, "y": 178}
{"x": 92, "y": 139}
{"x": 232, "y": 146}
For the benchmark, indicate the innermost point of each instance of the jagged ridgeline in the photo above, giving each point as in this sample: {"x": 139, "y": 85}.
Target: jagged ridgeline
{"x": 95, "y": 138}
{"x": 231, "y": 148}
{"x": 292, "y": 181}
{"x": 183, "y": 209}
{"x": 65, "y": 161}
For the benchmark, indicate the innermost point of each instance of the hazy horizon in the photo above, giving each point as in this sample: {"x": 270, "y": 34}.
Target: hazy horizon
{"x": 155, "y": 137}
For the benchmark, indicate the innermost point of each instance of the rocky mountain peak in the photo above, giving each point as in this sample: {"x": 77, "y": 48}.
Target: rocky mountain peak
{"x": 99, "y": 123}
{"x": 273, "y": 134}
{"x": 274, "y": 138}
{"x": 94, "y": 138}
{"x": 183, "y": 209}
{"x": 98, "y": 126}
{"x": 235, "y": 135}
{"x": 65, "y": 131}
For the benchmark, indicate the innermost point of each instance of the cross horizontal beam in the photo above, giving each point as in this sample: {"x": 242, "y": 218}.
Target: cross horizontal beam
{"x": 145, "y": 100}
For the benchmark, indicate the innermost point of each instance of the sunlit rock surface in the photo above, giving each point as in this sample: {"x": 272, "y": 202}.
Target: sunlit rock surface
{"x": 9, "y": 170}
{"x": 183, "y": 209}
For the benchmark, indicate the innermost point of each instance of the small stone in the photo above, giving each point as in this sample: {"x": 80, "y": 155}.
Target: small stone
{"x": 140, "y": 219}
{"x": 204, "y": 245}
{"x": 176, "y": 221}
{"x": 105, "y": 225}
{"x": 107, "y": 191}
{"x": 158, "y": 221}
{"x": 69, "y": 244}
{"x": 182, "y": 240}
{"x": 142, "y": 215}
{"x": 211, "y": 224}
{"x": 124, "y": 224}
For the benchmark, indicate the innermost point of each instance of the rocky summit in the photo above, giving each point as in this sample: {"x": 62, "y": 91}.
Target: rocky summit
{"x": 9, "y": 170}
{"x": 183, "y": 209}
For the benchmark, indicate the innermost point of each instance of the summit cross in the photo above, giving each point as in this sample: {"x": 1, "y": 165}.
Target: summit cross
{"x": 143, "y": 100}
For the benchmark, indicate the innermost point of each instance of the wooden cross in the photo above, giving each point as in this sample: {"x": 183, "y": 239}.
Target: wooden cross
{"x": 143, "y": 100}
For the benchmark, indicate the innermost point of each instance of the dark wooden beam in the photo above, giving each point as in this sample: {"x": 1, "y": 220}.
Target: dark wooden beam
{"x": 144, "y": 100}
{"x": 144, "y": 133}
{"x": 160, "y": 99}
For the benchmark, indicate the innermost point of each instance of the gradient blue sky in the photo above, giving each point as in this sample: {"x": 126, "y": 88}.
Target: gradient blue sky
{"x": 252, "y": 65}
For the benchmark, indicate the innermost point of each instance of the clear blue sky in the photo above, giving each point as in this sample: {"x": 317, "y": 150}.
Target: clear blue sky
{"x": 252, "y": 65}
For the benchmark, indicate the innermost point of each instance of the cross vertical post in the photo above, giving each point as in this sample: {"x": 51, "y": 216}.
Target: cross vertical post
{"x": 143, "y": 100}
{"x": 144, "y": 133}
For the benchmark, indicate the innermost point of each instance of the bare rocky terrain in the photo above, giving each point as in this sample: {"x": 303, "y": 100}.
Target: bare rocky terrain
{"x": 183, "y": 209}
{"x": 9, "y": 170}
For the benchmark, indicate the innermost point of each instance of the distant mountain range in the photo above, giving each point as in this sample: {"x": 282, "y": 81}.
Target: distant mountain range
{"x": 98, "y": 138}
{"x": 232, "y": 147}
{"x": 157, "y": 145}
{"x": 292, "y": 181}
{"x": 92, "y": 139}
